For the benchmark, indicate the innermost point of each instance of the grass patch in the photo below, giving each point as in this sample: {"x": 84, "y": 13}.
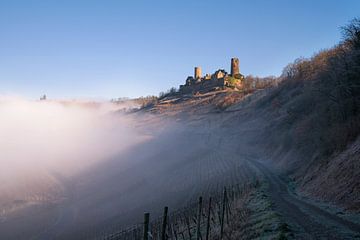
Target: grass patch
{"x": 264, "y": 222}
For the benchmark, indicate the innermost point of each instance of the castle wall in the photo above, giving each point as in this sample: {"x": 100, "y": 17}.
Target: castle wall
{"x": 202, "y": 86}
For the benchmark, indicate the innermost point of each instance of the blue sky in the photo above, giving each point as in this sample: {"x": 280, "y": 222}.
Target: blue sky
{"x": 129, "y": 48}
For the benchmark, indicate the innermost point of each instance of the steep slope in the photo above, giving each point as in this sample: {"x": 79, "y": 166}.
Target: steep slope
{"x": 336, "y": 179}
{"x": 313, "y": 123}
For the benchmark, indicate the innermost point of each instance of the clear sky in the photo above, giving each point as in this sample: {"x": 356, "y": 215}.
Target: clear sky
{"x": 129, "y": 48}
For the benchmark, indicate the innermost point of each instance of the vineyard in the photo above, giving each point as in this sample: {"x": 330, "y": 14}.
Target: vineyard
{"x": 208, "y": 218}
{"x": 174, "y": 169}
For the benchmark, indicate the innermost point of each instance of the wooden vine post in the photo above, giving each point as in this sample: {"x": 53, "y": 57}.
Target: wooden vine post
{"x": 146, "y": 226}
{"x": 198, "y": 222}
{"x": 164, "y": 223}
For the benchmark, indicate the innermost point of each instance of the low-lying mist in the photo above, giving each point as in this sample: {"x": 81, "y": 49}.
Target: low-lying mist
{"x": 96, "y": 165}
{"x": 62, "y": 136}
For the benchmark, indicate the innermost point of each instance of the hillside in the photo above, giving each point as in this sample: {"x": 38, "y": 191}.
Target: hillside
{"x": 314, "y": 122}
{"x": 293, "y": 148}
{"x": 312, "y": 119}
{"x": 247, "y": 135}
{"x": 305, "y": 130}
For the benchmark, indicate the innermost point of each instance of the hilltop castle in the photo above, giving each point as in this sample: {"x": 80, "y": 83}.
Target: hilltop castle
{"x": 218, "y": 80}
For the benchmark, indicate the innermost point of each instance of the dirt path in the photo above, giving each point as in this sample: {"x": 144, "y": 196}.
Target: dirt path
{"x": 306, "y": 220}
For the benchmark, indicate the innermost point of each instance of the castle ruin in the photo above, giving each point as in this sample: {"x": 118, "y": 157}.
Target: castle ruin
{"x": 218, "y": 80}
{"x": 197, "y": 73}
{"x": 235, "y": 66}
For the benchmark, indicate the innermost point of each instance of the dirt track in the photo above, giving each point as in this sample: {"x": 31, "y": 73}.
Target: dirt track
{"x": 306, "y": 220}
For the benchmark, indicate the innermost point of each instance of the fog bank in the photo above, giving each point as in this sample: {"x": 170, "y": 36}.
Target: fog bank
{"x": 61, "y": 136}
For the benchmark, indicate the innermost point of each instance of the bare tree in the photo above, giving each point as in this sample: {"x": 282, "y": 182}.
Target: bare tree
{"x": 351, "y": 33}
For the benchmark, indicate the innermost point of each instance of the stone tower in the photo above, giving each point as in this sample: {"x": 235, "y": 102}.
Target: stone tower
{"x": 235, "y": 66}
{"x": 197, "y": 73}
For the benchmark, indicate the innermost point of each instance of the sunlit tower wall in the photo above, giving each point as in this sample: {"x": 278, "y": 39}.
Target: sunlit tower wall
{"x": 197, "y": 72}
{"x": 235, "y": 66}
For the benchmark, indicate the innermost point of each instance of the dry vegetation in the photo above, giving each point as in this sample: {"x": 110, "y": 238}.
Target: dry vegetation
{"x": 230, "y": 99}
{"x": 314, "y": 115}
{"x": 304, "y": 120}
{"x": 248, "y": 215}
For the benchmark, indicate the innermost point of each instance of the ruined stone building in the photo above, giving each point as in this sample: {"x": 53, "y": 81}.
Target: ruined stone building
{"x": 218, "y": 80}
